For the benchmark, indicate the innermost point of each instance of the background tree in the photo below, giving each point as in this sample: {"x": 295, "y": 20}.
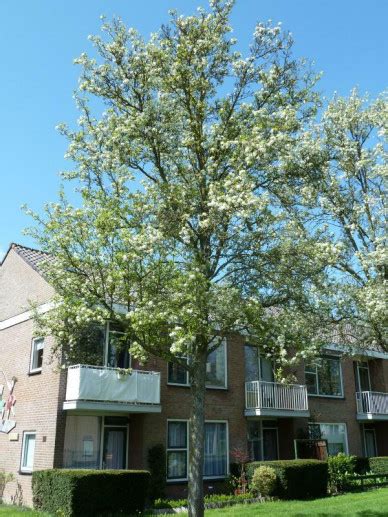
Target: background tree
{"x": 191, "y": 224}
{"x": 350, "y": 198}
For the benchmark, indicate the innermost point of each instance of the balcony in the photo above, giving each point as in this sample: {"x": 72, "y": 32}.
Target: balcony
{"x": 272, "y": 399}
{"x": 103, "y": 389}
{"x": 372, "y": 405}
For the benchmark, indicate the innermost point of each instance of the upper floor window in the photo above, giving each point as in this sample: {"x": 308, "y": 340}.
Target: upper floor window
{"x": 324, "y": 377}
{"x": 362, "y": 376}
{"x": 257, "y": 368}
{"x": 117, "y": 348}
{"x": 216, "y": 365}
{"x": 28, "y": 451}
{"x": 36, "y": 355}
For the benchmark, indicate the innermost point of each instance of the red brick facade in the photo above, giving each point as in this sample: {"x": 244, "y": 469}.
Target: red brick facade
{"x": 40, "y": 397}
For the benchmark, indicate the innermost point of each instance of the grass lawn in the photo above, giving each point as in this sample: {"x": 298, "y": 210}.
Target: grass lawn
{"x": 373, "y": 503}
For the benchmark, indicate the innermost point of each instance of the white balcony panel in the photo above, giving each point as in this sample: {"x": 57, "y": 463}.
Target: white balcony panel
{"x": 372, "y": 405}
{"x": 105, "y": 388}
{"x": 275, "y": 399}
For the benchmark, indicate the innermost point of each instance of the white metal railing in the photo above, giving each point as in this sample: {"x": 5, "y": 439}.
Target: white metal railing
{"x": 372, "y": 402}
{"x": 99, "y": 383}
{"x": 273, "y": 395}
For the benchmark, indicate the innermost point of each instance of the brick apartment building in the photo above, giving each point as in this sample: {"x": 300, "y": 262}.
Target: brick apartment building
{"x": 98, "y": 416}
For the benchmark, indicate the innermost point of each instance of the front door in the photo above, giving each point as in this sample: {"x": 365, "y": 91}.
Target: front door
{"x": 115, "y": 448}
{"x": 270, "y": 444}
{"x": 370, "y": 443}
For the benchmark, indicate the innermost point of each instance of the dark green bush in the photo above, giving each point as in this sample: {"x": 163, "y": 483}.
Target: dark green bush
{"x": 84, "y": 493}
{"x": 296, "y": 479}
{"x": 379, "y": 464}
{"x": 340, "y": 468}
{"x": 157, "y": 466}
{"x": 362, "y": 465}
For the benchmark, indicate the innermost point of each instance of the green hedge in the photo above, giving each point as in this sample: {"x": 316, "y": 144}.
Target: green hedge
{"x": 379, "y": 465}
{"x": 157, "y": 466}
{"x": 297, "y": 479}
{"x": 84, "y": 493}
{"x": 362, "y": 465}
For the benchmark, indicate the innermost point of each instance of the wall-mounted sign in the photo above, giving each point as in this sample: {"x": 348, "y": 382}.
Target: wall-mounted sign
{"x": 7, "y": 407}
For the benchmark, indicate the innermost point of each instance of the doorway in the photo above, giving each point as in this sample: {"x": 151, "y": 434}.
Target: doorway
{"x": 270, "y": 444}
{"x": 370, "y": 443}
{"x": 115, "y": 443}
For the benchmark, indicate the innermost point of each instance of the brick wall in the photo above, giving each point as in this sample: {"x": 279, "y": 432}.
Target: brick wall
{"x": 37, "y": 402}
{"x": 20, "y": 284}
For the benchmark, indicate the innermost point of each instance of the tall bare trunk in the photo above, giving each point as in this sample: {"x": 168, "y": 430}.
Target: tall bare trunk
{"x": 197, "y": 436}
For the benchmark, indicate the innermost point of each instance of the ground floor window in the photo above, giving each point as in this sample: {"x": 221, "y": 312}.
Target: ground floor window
{"x": 28, "y": 451}
{"x": 177, "y": 449}
{"x": 335, "y": 434}
{"x": 93, "y": 442}
{"x": 263, "y": 440}
{"x": 215, "y": 452}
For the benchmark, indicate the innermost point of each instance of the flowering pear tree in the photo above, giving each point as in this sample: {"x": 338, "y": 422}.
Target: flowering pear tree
{"x": 350, "y": 196}
{"x": 192, "y": 223}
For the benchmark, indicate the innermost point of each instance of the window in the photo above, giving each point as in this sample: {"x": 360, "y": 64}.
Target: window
{"x": 177, "y": 374}
{"x": 117, "y": 348}
{"x": 216, "y": 367}
{"x": 362, "y": 376}
{"x": 257, "y": 368}
{"x": 324, "y": 377}
{"x": 28, "y": 449}
{"x": 215, "y": 451}
{"x": 215, "y": 370}
{"x": 82, "y": 442}
{"x": 36, "y": 355}
{"x": 177, "y": 449}
{"x": 262, "y": 440}
{"x": 335, "y": 434}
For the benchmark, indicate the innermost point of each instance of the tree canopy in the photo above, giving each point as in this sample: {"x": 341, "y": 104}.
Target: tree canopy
{"x": 199, "y": 183}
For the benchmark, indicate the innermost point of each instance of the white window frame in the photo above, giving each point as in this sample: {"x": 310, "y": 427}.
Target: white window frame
{"x": 178, "y": 449}
{"x": 34, "y": 341}
{"x": 176, "y": 480}
{"x": 346, "y": 451}
{"x": 224, "y": 341}
{"x": 341, "y": 396}
{"x": 227, "y": 448}
{"x": 24, "y": 469}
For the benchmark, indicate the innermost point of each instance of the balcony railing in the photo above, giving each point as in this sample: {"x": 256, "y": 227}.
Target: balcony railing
{"x": 372, "y": 403}
{"x": 273, "y": 398}
{"x": 112, "y": 385}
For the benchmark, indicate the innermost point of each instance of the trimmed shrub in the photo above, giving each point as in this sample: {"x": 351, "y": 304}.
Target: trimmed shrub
{"x": 296, "y": 479}
{"x": 84, "y": 493}
{"x": 379, "y": 464}
{"x": 340, "y": 468}
{"x": 362, "y": 465}
{"x": 157, "y": 466}
{"x": 264, "y": 481}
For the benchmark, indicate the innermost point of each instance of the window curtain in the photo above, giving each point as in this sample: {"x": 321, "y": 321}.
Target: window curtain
{"x": 215, "y": 450}
{"x": 82, "y": 442}
{"x": 115, "y": 447}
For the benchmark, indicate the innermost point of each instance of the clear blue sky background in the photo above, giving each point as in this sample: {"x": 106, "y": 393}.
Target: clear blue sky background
{"x": 39, "y": 40}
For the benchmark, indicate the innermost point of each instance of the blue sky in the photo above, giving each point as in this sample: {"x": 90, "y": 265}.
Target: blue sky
{"x": 39, "y": 40}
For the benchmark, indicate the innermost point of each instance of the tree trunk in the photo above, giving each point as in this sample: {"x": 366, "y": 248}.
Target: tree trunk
{"x": 197, "y": 436}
